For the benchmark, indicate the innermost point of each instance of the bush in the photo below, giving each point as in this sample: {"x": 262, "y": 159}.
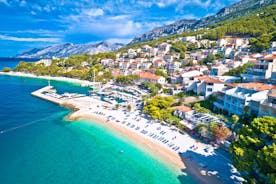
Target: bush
{"x": 6, "y": 69}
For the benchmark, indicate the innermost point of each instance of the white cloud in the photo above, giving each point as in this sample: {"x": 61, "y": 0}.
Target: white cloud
{"x": 93, "y": 12}
{"x": 190, "y": 16}
{"x": 4, "y": 2}
{"x": 119, "y": 40}
{"x": 118, "y": 17}
{"x": 21, "y": 39}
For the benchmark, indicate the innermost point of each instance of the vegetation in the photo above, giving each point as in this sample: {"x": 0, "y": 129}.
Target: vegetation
{"x": 213, "y": 131}
{"x": 6, "y": 69}
{"x": 159, "y": 108}
{"x": 152, "y": 87}
{"x": 260, "y": 24}
{"x": 126, "y": 80}
{"x": 222, "y": 133}
{"x": 128, "y": 108}
{"x": 179, "y": 47}
{"x": 198, "y": 108}
{"x": 261, "y": 43}
{"x": 239, "y": 70}
{"x": 161, "y": 73}
{"x": 210, "y": 58}
{"x": 235, "y": 119}
{"x": 254, "y": 152}
{"x": 254, "y": 24}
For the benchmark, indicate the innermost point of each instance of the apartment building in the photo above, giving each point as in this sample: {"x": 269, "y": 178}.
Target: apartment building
{"x": 243, "y": 98}
{"x": 268, "y": 106}
{"x": 263, "y": 70}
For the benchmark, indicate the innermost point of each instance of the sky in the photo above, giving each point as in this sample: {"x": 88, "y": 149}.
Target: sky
{"x": 27, "y": 24}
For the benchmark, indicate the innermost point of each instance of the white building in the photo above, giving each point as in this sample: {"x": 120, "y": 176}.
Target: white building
{"x": 249, "y": 95}
{"x": 262, "y": 70}
{"x": 205, "y": 85}
{"x": 149, "y": 77}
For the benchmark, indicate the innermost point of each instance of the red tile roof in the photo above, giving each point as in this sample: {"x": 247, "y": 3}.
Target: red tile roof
{"x": 257, "y": 86}
{"x": 147, "y": 75}
{"x": 208, "y": 79}
{"x": 272, "y": 94}
{"x": 270, "y": 57}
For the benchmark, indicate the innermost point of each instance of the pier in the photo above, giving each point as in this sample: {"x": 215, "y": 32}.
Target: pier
{"x": 49, "y": 94}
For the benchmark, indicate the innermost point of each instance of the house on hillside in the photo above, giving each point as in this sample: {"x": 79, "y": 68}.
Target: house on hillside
{"x": 149, "y": 77}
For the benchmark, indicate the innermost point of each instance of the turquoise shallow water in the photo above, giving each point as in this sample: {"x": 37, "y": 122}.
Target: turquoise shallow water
{"x": 39, "y": 146}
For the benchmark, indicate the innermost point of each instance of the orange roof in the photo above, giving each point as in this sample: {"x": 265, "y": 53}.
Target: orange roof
{"x": 147, "y": 75}
{"x": 272, "y": 94}
{"x": 159, "y": 61}
{"x": 182, "y": 108}
{"x": 208, "y": 79}
{"x": 253, "y": 60}
{"x": 269, "y": 57}
{"x": 231, "y": 84}
{"x": 257, "y": 86}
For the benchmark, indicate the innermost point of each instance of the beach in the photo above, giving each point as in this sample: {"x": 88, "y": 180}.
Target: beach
{"x": 64, "y": 79}
{"x": 158, "y": 139}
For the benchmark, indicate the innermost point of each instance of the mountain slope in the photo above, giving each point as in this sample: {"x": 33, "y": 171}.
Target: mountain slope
{"x": 68, "y": 49}
{"x": 236, "y": 10}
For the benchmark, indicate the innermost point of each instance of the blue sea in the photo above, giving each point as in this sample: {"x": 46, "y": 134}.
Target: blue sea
{"x": 39, "y": 146}
{"x": 12, "y": 62}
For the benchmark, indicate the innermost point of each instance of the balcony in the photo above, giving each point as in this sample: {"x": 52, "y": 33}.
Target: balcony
{"x": 219, "y": 105}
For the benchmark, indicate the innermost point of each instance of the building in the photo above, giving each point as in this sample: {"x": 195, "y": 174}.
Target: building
{"x": 187, "y": 77}
{"x": 46, "y": 62}
{"x": 149, "y": 77}
{"x": 263, "y": 70}
{"x": 173, "y": 66}
{"x": 219, "y": 70}
{"x": 243, "y": 98}
{"x": 182, "y": 112}
{"x": 157, "y": 63}
{"x": 205, "y": 85}
{"x": 268, "y": 106}
{"x": 191, "y": 119}
{"x": 191, "y": 39}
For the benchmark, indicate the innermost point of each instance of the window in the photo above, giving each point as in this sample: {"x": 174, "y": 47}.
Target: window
{"x": 209, "y": 89}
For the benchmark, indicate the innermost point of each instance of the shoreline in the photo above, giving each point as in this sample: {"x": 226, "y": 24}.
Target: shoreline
{"x": 87, "y": 108}
{"x": 166, "y": 154}
{"x": 62, "y": 79}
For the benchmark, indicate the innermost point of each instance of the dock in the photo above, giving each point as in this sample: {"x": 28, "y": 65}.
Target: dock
{"x": 47, "y": 93}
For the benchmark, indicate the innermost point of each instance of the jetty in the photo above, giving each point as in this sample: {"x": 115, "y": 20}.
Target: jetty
{"x": 48, "y": 93}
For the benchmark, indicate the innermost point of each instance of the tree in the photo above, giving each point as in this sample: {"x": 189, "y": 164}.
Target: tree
{"x": 158, "y": 108}
{"x": 221, "y": 133}
{"x": 261, "y": 43}
{"x": 198, "y": 108}
{"x": 6, "y": 69}
{"x": 179, "y": 47}
{"x": 254, "y": 152}
{"x": 126, "y": 80}
{"x": 239, "y": 70}
{"x": 235, "y": 120}
{"x": 153, "y": 88}
{"x": 129, "y": 108}
{"x": 180, "y": 126}
{"x": 161, "y": 73}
